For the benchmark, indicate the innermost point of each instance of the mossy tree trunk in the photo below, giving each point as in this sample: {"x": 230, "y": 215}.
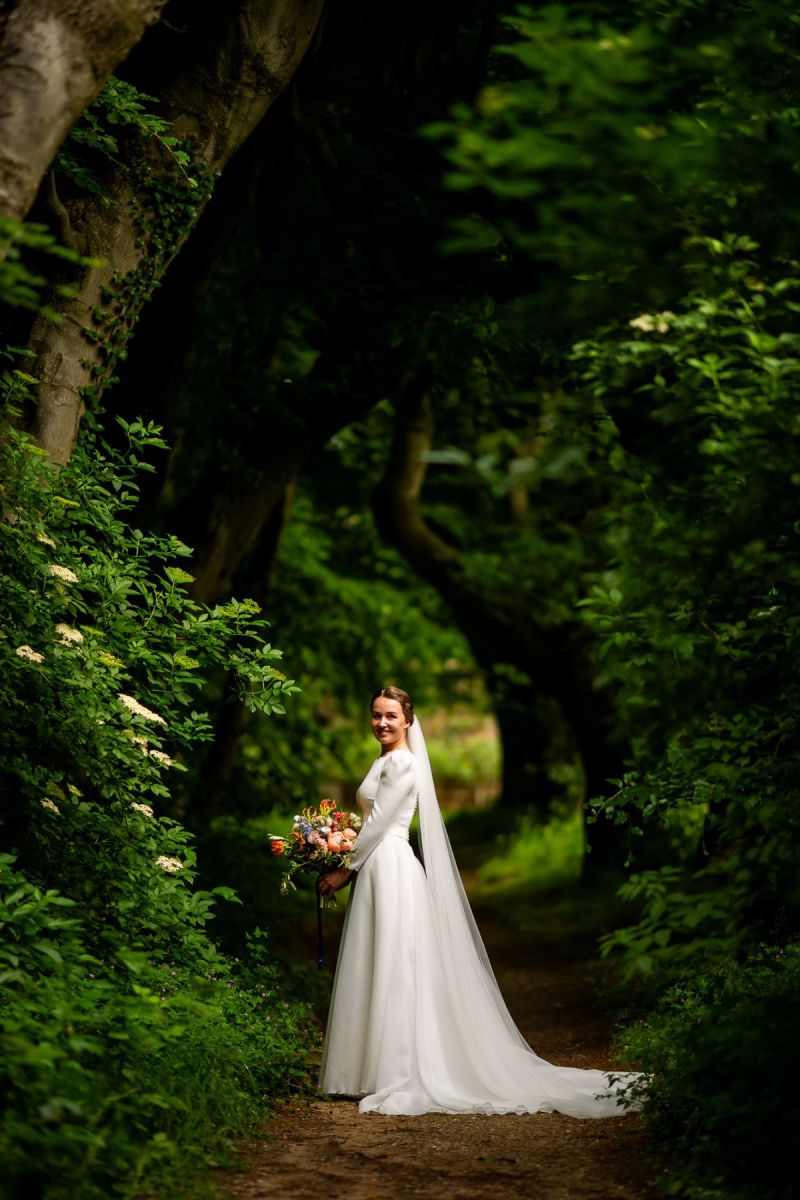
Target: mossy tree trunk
{"x": 216, "y": 97}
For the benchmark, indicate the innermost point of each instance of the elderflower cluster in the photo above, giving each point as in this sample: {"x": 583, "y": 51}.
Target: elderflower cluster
{"x": 138, "y": 739}
{"x": 47, "y": 541}
{"x": 139, "y": 710}
{"x": 169, "y": 864}
{"x": 653, "y": 322}
{"x": 67, "y": 634}
{"x": 62, "y": 573}
{"x": 46, "y": 802}
{"x": 29, "y": 654}
{"x": 161, "y": 757}
{"x": 144, "y": 809}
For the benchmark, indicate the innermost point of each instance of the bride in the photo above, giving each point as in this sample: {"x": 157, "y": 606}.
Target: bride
{"x": 417, "y": 1023}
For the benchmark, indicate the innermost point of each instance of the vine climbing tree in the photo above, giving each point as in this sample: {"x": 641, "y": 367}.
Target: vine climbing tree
{"x": 148, "y": 189}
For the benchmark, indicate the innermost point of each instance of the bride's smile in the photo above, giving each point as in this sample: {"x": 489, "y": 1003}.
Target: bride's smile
{"x": 389, "y": 725}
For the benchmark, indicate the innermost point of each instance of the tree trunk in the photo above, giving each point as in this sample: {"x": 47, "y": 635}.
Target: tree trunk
{"x": 528, "y": 731}
{"x": 232, "y": 718}
{"x": 529, "y": 669}
{"x": 54, "y": 60}
{"x": 213, "y": 102}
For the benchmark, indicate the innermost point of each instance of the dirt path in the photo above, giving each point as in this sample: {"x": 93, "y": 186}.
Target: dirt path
{"x": 326, "y": 1151}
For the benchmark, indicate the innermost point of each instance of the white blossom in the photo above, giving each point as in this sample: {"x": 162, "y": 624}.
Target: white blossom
{"x": 47, "y": 541}
{"x": 68, "y": 634}
{"x": 169, "y": 864}
{"x": 29, "y": 654}
{"x": 144, "y": 809}
{"x": 138, "y": 739}
{"x": 139, "y": 710}
{"x": 161, "y": 757}
{"x": 62, "y": 573}
{"x": 46, "y": 802}
{"x": 653, "y": 322}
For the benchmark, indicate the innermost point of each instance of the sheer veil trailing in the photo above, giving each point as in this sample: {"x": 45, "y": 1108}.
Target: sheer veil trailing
{"x": 458, "y": 936}
{"x": 512, "y": 1069}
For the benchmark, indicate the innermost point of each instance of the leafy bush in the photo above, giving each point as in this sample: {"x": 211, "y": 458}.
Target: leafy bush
{"x": 723, "y": 1049}
{"x": 129, "y": 1043}
{"x": 115, "y": 1070}
{"x": 701, "y": 640}
{"x": 638, "y": 162}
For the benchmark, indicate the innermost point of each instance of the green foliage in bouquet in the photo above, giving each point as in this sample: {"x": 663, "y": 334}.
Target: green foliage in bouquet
{"x": 129, "y": 1043}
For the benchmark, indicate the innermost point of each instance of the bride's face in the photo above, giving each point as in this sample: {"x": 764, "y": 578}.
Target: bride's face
{"x": 388, "y": 723}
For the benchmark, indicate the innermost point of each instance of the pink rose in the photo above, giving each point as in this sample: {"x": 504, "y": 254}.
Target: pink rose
{"x": 350, "y": 834}
{"x": 335, "y": 841}
{"x": 346, "y": 846}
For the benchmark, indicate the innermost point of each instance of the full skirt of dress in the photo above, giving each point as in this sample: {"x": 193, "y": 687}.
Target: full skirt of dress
{"x": 400, "y": 1037}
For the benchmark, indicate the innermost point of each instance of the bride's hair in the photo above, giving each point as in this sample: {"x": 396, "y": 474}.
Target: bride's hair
{"x": 402, "y": 698}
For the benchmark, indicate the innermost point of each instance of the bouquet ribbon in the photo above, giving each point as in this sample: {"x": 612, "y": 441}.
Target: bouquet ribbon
{"x": 320, "y": 942}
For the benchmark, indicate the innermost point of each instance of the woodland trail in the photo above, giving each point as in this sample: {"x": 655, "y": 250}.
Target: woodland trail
{"x": 327, "y": 1150}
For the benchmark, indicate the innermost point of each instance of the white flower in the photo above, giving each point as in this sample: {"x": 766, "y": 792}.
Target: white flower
{"x": 67, "y": 634}
{"x": 46, "y": 802}
{"x": 62, "y": 573}
{"x": 144, "y": 809}
{"x": 29, "y": 654}
{"x": 139, "y": 710}
{"x": 138, "y": 739}
{"x": 169, "y": 864}
{"x": 48, "y": 541}
{"x": 653, "y": 322}
{"x": 161, "y": 757}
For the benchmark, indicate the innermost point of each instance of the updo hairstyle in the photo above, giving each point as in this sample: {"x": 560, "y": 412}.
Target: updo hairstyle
{"x": 402, "y": 698}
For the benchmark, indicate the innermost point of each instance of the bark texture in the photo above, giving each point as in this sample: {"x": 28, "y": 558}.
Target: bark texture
{"x": 54, "y": 59}
{"x": 214, "y": 99}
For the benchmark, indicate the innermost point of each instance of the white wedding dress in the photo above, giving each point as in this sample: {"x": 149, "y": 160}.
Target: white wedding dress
{"x": 417, "y": 1023}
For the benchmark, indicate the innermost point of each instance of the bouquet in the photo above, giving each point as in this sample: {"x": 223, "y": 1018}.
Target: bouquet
{"x": 320, "y": 840}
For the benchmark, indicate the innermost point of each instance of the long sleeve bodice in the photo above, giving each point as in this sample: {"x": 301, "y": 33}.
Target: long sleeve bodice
{"x": 388, "y": 798}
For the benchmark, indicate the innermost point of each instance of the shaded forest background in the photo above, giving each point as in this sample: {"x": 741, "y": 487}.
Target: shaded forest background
{"x": 454, "y": 347}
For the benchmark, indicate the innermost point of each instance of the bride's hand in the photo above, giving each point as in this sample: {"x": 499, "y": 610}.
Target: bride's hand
{"x": 330, "y": 883}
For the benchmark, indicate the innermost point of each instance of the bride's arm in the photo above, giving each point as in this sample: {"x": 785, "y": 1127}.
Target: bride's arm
{"x": 396, "y": 783}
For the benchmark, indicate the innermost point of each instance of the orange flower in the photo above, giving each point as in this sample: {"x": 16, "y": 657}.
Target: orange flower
{"x": 277, "y": 846}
